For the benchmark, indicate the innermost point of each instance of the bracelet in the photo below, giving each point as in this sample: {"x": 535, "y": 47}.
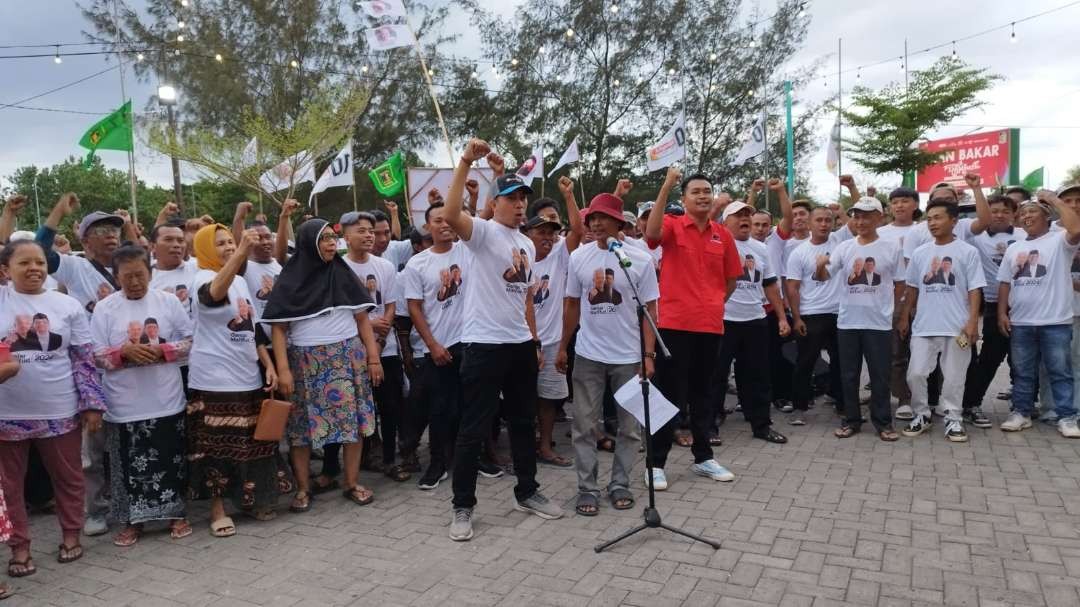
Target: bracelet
{"x": 651, "y": 355}
{"x": 374, "y": 362}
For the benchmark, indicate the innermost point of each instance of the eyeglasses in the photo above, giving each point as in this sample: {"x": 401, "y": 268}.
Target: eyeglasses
{"x": 328, "y": 236}
{"x": 103, "y": 231}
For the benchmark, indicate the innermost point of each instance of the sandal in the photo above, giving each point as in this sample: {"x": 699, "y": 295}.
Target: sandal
{"x": 323, "y": 484}
{"x": 127, "y": 537}
{"x": 301, "y": 502}
{"x": 684, "y": 439}
{"x": 223, "y": 527}
{"x": 846, "y": 431}
{"x": 23, "y": 568}
{"x": 621, "y": 498}
{"x": 264, "y": 515}
{"x": 555, "y": 460}
{"x": 69, "y": 554}
{"x": 587, "y": 504}
{"x": 5, "y": 591}
{"x": 888, "y": 436}
{"x": 180, "y": 529}
{"x": 357, "y": 495}
{"x": 397, "y": 473}
{"x": 605, "y": 444}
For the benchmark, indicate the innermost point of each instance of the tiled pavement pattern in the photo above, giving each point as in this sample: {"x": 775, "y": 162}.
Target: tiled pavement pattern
{"x": 815, "y": 522}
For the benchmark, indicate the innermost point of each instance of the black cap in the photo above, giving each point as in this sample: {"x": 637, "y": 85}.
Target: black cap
{"x": 537, "y": 221}
{"x": 509, "y": 183}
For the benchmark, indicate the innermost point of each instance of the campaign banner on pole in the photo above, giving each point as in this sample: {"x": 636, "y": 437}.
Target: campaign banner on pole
{"x": 670, "y": 149}
{"x": 422, "y": 180}
{"x": 992, "y": 155}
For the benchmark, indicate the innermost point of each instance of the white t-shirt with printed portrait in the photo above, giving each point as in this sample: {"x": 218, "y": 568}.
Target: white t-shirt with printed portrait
{"x": 86, "y": 281}
{"x": 260, "y": 279}
{"x": 815, "y": 296}
{"x": 440, "y": 281}
{"x": 920, "y": 235}
{"x": 897, "y": 233}
{"x": 178, "y": 282}
{"x": 500, "y": 277}
{"x": 944, "y": 275}
{"x": 991, "y": 248}
{"x": 1039, "y": 271}
{"x": 609, "y": 324}
{"x": 39, "y": 329}
{"x": 549, "y": 276}
{"x": 745, "y": 303}
{"x": 143, "y": 392}
{"x": 223, "y": 355}
{"x": 868, "y": 272}
{"x": 381, "y": 280}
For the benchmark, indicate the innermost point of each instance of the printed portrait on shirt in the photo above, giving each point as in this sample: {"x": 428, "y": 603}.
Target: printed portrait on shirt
{"x": 242, "y": 322}
{"x": 450, "y": 286}
{"x": 372, "y": 285}
{"x": 519, "y": 270}
{"x": 33, "y": 334}
{"x": 266, "y": 284}
{"x": 1027, "y": 265}
{"x": 863, "y": 272}
{"x": 543, "y": 291}
{"x": 151, "y": 332}
{"x": 750, "y": 271}
{"x": 999, "y": 252}
{"x": 940, "y": 272}
{"x": 181, "y": 292}
{"x": 603, "y": 289}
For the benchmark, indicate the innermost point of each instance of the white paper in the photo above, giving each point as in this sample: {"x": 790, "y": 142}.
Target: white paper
{"x": 660, "y": 408}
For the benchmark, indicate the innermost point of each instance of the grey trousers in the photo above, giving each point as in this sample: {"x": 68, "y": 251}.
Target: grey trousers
{"x": 590, "y": 378}
{"x": 93, "y": 462}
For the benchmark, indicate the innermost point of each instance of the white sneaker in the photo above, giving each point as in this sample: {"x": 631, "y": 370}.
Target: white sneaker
{"x": 904, "y": 412}
{"x": 712, "y": 469}
{"x": 1068, "y": 429}
{"x": 1016, "y": 422}
{"x": 659, "y": 479}
{"x": 95, "y": 525}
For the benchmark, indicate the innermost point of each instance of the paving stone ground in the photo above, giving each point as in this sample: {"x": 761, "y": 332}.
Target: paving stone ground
{"x": 815, "y": 522}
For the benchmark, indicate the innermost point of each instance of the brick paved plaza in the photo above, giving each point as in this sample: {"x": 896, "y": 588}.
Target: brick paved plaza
{"x": 815, "y": 522}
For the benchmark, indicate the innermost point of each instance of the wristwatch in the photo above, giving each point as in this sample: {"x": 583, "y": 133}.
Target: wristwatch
{"x": 651, "y": 355}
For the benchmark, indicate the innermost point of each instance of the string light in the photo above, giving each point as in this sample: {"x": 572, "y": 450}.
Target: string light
{"x": 179, "y": 38}
{"x": 954, "y": 49}
{"x": 712, "y": 57}
{"x": 184, "y": 3}
{"x": 614, "y": 8}
{"x": 671, "y": 72}
{"x": 294, "y": 63}
{"x": 569, "y": 32}
{"x": 1012, "y": 36}
{"x": 364, "y": 69}
{"x": 180, "y": 25}
{"x": 542, "y": 50}
{"x": 616, "y": 82}
{"x": 431, "y": 73}
{"x": 514, "y": 61}
{"x": 753, "y": 43}
{"x": 475, "y": 75}
{"x": 640, "y": 80}
{"x": 139, "y": 57}
{"x": 218, "y": 57}
{"x": 56, "y": 58}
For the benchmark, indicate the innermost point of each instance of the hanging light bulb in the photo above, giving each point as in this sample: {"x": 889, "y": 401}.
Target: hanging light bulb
{"x": 139, "y": 56}
{"x": 184, "y": 3}
{"x": 640, "y": 80}
{"x": 430, "y": 73}
{"x": 542, "y": 50}
{"x": 858, "y": 74}
{"x": 475, "y": 75}
{"x": 712, "y": 87}
{"x": 294, "y": 63}
{"x": 616, "y": 82}
{"x": 180, "y": 25}
{"x": 218, "y": 57}
{"x": 901, "y": 64}
{"x": 671, "y": 72}
{"x": 802, "y": 11}
{"x": 56, "y": 58}
{"x": 364, "y": 69}
{"x": 514, "y": 61}
{"x": 614, "y": 8}
{"x": 712, "y": 57}
{"x": 954, "y": 49}
{"x": 1012, "y": 36}
{"x": 569, "y": 32}
{"x": 179, "y": 37}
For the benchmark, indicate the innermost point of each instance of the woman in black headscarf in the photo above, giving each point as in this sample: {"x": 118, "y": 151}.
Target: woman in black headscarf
{"x": 324, "y": 351}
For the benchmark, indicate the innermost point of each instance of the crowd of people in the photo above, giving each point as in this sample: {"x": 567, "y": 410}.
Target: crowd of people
{"x": 133, "y": 374}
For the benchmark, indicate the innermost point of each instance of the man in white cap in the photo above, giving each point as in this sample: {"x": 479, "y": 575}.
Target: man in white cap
{"x": 872, "y": 269}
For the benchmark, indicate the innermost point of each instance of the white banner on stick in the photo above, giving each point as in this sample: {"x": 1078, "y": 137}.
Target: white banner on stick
{"x": 421, "y": 180}
{"x": 670, "y": 149}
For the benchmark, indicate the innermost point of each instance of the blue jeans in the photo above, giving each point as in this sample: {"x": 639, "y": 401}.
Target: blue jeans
{"x": 1050, "y": 345}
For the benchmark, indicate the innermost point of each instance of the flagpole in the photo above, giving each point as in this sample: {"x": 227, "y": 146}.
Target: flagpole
{"x": 354, "y": 193}
{"x": 682, "y": 84}
{"x": 431, "y": 90}
{"x": 839, "y": 112}
{"x": 765, "y": 137}
{"x": 123, "y": 100}
{"x": 789, "y": 136}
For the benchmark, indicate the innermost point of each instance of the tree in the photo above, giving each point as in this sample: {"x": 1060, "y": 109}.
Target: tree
{"x": 1072, "y": 175}
{"x": 891, "y": 122}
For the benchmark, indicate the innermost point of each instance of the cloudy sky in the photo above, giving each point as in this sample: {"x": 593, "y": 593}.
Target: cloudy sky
{"x": 1039, "y": 94}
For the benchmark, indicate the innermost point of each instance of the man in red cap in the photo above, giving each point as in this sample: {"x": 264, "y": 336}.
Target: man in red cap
{"x": 701, "y": 265}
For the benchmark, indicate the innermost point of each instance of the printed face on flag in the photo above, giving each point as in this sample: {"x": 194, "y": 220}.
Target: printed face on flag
{"x": 528, "y": 167}
{"x": 385, "y": 34}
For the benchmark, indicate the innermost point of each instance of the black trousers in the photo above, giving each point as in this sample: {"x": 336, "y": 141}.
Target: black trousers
{"x": 820, "y": 335}
{"x": 987, "y": 359}
{"x": 486, "y": 371}
{"x": 876, "y": 347}
{"x": 780, "y": 368}
{"x": 444, "y": 397}
{"x": 746, "y": 343}
{"x": 685, "y": 379}
{"x": 390, "y": 403}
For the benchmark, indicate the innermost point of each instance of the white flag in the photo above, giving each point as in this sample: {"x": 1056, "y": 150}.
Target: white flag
{"x": 289, "y": 172}
{"x": 832, "y": 159}
{"x": 384, "y": 8}
{"x": 339, "y": 173}
{"x": 755, "y": 144}
{"x": 533, "y": 167}
{"x": 670, "y": 149}
{"x": 571, "y": 155}
{"x": 250, "y": 155}
{"x": 386, "y": 37}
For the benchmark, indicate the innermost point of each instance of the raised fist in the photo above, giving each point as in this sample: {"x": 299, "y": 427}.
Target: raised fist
{"x": 391, "y": 207}
{"x": 758, "y": 185}
{"x": 15, "y": 203}
{"x": 169, "y": 209}
{"x": 973, "y": 180}
{"x": 497, "y": 163}
{"x": 673, "y": 176}
{"x": 475, "y": 150}
{"x": 68, "y": 203}
{"x": 623, "y": 187}
{"x": 289, "y": 207}
{"x": 847, "y": 181}
{"x": 247, "y": 240}
{"x": 473, "y": 188}
{"x": 434, "y": 196}
{"x": 566, "y": 186}
{"x": 244, "y": 208}
{"x": 775, "y": 184}
{"x": 124, "y": 214}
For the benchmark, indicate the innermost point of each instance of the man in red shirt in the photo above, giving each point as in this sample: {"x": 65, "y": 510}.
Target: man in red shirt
{"x": 701, "y": 264}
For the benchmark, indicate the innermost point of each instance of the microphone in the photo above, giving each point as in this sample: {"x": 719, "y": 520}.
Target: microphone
{"x": 616, "y": 247}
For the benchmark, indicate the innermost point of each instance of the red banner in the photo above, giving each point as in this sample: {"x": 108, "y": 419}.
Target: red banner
{"x": 987, "y": 154}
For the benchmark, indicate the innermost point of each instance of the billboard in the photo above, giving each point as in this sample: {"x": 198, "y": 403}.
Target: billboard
{"x": 994, "y": 155}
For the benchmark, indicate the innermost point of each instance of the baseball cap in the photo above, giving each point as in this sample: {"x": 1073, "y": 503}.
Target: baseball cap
{"x": 734, "y": 207}
{"x": 1069, "y": 187}
{"x": 1045, "y": 207}
{"x": 509, "y": 183}
{"x": 96, "y": 217}
{"x": 644, "y": 208}
{"x": 867, "y": 204}
{"x": 537, "y": 221}
{"x": 21, "y": 235}
{"x": 630, "y": 217}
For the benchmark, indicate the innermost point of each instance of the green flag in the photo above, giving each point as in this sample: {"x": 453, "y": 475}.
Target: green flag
{"x": 1034, "y": 180}
{"x": 113, "y": 132}
{"x": 389, "y": 177}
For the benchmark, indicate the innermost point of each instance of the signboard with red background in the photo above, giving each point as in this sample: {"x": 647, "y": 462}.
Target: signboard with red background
{"x": 994, "y": 155}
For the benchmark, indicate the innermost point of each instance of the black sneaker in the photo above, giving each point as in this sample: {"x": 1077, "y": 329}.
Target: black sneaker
{"x": 432, "y": 478}
{"x": 1006, "y": 395}
{"x": 490, "y": 470}
{"x": 977, "y": 418}
{"x": 917, "y": 426}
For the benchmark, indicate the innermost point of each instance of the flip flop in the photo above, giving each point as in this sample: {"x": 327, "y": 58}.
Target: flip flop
{"x": 846, "y": 431}
{"x": 69, "y": 554}
{"x": 301, "y": 502}
{"x": 5, "y": 591}
{"x": 353, "y": 495}
{"x": 27, "y": 565}
{"x": 557, "y": 461}
{"x": 128, "y": 536}
{"x": 180, "y": 529}
{"x": 888, "y": 436}
{"x": 223, "y": 527}
{"x": 587, "y": 500}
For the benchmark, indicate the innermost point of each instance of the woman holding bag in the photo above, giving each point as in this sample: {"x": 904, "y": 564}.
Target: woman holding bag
{"x": 325, "y": 350}
{"x": 228, "y": 389}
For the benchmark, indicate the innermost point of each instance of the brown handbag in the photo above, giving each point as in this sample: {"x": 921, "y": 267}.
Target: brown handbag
{"x": 273, "y": 415}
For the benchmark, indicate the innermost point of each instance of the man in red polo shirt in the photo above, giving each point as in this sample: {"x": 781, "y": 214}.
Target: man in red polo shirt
{"x": 701, "y": 264}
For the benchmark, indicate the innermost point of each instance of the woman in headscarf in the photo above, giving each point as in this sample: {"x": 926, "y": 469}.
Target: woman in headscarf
{"x": 228, "y": 389}
{"x": 325, "y": 351}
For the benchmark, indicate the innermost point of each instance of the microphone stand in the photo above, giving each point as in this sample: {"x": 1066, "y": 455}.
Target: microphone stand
{"x": 651, "y": 514}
